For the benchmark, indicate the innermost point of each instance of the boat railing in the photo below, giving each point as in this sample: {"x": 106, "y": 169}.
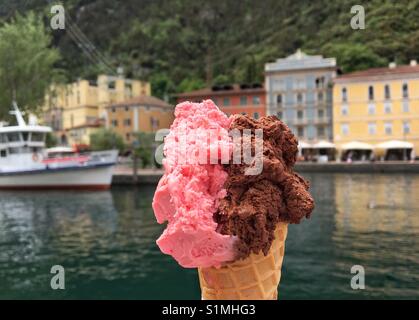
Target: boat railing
{"x": 108, "y": 156}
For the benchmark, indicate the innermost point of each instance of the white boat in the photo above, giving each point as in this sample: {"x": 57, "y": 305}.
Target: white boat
{"x": 25, "y": 163}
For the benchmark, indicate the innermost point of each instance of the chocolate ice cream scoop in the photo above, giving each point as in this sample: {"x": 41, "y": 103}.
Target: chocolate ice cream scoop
{"x": 254, "y": 204}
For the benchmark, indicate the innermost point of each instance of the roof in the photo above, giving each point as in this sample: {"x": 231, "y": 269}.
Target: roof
{"x": 222, "y": 91}
{"x": 379, "y": 72}
{"x": 60, "y": 149}
{"x": 142, "y": 101}
{"x": 300, "y": 61}
{"x": 97, "y": 124}
{"x": 25, "y": 129}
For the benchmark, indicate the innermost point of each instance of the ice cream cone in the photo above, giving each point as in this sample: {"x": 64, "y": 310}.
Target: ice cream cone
{"x": 254, "y": 278}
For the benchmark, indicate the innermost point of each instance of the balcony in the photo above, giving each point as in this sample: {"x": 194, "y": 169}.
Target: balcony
{"x": 322, "y": 120}
{"x": 300, "y": 121}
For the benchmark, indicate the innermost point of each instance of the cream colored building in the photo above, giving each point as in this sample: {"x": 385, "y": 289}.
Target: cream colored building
{"x": 141, "y": 114}
{"x": 77, "y": 109}
{"x": 377, "y": 105}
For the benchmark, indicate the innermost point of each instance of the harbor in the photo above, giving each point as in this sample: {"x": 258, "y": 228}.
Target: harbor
{"x": 125, "y": 176}
{"x": 106, "y": 241}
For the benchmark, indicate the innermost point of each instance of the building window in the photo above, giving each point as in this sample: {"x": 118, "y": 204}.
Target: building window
{"x": 113, "y": 109}
{"x": 388, "y": 128}
{"x": 256, "y": 115}
{"x": 256, "y": 100}
{"x": 279, "y": 85}
{"x": 300, "y": 132}
{"x": 372, "y": 128}
{"x": 387, "y": 107}
{"x": 243, "y": 101}
{"x": 320, "y": 113}
{"x": 226, "y": 101}
{"x": 387, "y": 95}
{"x": 320, "y": 131}
{"x": 371, "y": 108}
{"x": 405, "y": 106}
{"x": 279, "y": 99}
{"x": 406, "y": 127}
{"x": 299, "y": 98}
{"x": 111, "y": 85}
{"x": 127, "y": 122}
{"x": 320, "y": 82}
{"x": 300, "y": 114}
{"x": 299, "y": 84}
{"x": 344, "y": 109}
{"x": 127, "y": 136}
{"x": 114, "y": 123}
{"x": 405, "y": 91}
{"x": 344, "y": 95}
{"x": 370, "y": 93}
{"x": 127, "y": 108}
{"x": 279, "y": 114}
{"x": 344, "y": 127}
{"x": 320, "y": 97}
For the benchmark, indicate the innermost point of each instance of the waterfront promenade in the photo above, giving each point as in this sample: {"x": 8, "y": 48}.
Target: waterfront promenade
{"x": 125, "y": 176}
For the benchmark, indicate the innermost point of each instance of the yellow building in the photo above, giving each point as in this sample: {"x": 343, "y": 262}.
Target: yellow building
{"x": 76, "y": 110}
{"x": 377, "y": 105}
{"x": 143, "y": 113}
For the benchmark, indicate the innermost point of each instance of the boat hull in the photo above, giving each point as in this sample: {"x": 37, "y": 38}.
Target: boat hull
{"x": 98, "y": 177}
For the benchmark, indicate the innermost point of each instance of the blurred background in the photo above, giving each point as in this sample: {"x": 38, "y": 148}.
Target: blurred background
{"x": 104, "y": 74}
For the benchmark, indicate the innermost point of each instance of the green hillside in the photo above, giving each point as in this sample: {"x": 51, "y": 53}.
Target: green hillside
{"x": 185, "y": 44}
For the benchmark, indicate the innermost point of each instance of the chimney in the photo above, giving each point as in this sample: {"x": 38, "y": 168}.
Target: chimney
{"x": 392, "y": 65}
{"x": 413, "y": 63}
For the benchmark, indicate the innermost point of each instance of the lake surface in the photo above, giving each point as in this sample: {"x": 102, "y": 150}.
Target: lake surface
{"x": 106, "y": 243}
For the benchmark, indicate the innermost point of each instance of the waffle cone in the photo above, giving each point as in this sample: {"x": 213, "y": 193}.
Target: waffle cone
{"x": 254, "y": 278}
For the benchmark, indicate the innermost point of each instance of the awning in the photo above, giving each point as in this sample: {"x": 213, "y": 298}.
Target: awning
{"x": 394, "y": 144}
{"x": 356, "y": 145}
{"x": 304, "y": 145}
{"x": 323, "y": 144}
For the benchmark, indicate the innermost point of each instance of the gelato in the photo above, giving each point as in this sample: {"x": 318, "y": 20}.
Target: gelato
{"x": 216, "y": 213}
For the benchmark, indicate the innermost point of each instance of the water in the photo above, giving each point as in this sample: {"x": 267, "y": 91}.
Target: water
{"x": 106, "y": 243}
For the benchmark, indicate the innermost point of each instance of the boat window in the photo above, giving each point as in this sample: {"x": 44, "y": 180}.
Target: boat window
{"x": 3, "y": 153}
{"x": 25, "y": 136}
{"x": 37, "y": 136}
{"x": 19, "y": 150}
{"x": 13, "y": 137}
{"x": 2, "y": 138}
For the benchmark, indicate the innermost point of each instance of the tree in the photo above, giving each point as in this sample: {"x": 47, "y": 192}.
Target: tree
{"x": 51, "y": 140}
{"x": 144, "y": 148}
{"x": 105, "y": 139}
{"x": 353, "y": 57}
{"x": 26, "y": 63}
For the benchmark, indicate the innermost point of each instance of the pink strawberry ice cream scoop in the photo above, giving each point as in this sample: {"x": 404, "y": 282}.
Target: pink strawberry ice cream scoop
{"x": 188, "y": 194}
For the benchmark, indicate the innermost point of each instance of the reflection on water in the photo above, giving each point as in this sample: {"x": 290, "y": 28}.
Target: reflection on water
{"x": 106, "y": 243}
